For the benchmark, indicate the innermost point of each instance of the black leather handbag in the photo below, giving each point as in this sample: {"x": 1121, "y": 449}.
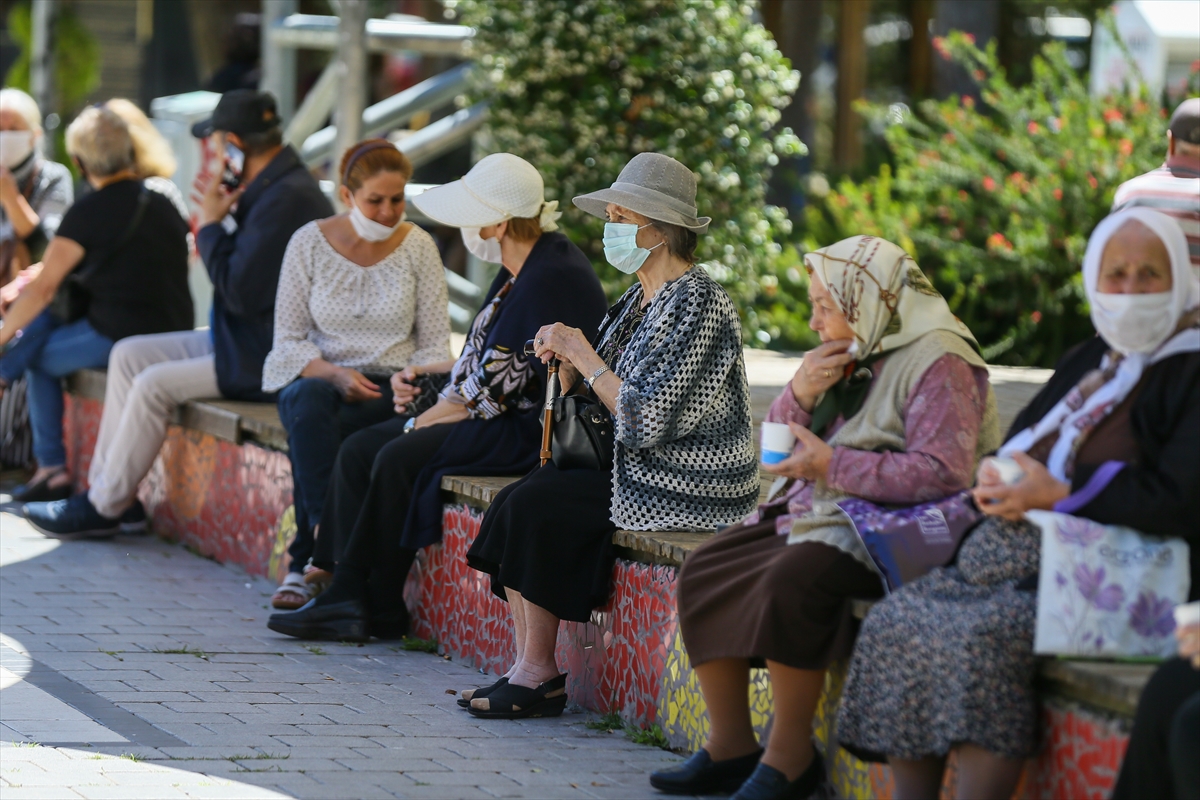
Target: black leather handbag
{"x": 583, "y": 433}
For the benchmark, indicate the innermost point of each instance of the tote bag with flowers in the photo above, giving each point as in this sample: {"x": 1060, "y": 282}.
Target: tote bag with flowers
{"x": 1106, "y": 590}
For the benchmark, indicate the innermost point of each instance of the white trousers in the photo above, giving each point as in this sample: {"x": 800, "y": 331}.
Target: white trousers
{"x": 148, "y": 377}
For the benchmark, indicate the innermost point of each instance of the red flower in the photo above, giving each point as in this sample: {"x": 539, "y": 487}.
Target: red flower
{"x": 998, "y": 241}
{"x": 968, "y": 101}
{"x": 1092, "y": 181}
{"x": 948, "y": 138}
{"x": 939, "y": 44}
{"x": 1032, "y": 127}
{"x": 970, "y": 37}
{"x": 979, "y": 75}
{"x": 1126, "y": 147}
{"x": 1058, "y": 194}
{"x": 962, "y": 194}
{"x": 1112, "y": 115}
{"x": 989, "y": 184}
{"x": 1036, "y": 317}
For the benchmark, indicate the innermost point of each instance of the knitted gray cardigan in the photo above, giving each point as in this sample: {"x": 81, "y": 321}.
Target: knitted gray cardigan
{"x": 684, "y": 457}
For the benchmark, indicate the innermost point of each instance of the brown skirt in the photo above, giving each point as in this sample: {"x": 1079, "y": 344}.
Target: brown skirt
{"x": 747, "y": 593}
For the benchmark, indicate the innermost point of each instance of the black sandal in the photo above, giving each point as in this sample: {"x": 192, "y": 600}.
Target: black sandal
{"x": 518, "y": 702}
{"x": 483, "y": 691}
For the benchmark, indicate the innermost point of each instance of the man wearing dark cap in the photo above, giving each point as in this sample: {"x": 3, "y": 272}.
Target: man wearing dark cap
{"x": 1173, "y": 188}
{"x": 244, "y": 233}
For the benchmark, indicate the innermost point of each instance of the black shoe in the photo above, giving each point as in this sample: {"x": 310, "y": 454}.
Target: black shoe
{"x": 73, "y": 518}
{"x": 511, "y": 701}
{"x": 134, "y": 518}
{"x": 389, "y": 626}
{"x": 701, "y": 775}
{"x": 768, "y": 783}
{"x": 41, "y": 492}
{"x": 344, "y": 621}
{"x": 483, "y": 691}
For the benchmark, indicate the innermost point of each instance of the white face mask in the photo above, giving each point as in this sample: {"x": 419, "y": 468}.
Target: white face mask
{"x": 369, "y": 229}
{"x": 483, "y": 249}
{"x": 15, "y": 147}
{"x": 621, "y": 248}
{"x": 1133, "y": 323}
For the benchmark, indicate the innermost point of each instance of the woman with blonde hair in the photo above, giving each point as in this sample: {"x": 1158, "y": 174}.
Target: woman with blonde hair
{"x": 153, "y": 159}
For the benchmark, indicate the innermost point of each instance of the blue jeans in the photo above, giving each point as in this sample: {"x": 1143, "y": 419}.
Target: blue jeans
{"x": 48, "y": 352}
{"x": 317, "y": 419}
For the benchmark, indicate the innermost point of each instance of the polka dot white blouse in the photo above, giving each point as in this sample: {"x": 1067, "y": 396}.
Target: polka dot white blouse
{"x": 376, "y": 319}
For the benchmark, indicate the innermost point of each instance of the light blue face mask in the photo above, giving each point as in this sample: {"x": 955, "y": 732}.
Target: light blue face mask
{"x": 621, "y": 249}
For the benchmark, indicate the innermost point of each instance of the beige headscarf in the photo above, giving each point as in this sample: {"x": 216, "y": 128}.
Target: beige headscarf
{"x": 882, "y": 292}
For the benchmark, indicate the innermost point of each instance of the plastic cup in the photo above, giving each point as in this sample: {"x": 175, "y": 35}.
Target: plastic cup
{"x": 1187, "y": 615}
{"x": 777, "y": 442}
{"x": 1009, "y": 470}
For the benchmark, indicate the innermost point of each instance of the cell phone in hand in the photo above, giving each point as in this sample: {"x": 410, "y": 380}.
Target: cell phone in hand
{"x": 235, "y": 161}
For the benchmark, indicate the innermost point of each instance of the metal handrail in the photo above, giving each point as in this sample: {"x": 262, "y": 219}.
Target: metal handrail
{"x": 392, "y": 112}
{"x": 383, "y": 35}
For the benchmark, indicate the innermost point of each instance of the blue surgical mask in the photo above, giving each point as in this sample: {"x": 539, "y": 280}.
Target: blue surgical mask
{"x": 621, "y": 249}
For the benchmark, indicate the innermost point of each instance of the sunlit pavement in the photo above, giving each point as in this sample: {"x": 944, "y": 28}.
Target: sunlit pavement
{"x": 131, "y": 668}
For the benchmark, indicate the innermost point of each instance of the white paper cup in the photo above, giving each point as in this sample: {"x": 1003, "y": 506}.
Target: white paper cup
{"x": 1009, "y": 470}
{"x": 778, "y": 442}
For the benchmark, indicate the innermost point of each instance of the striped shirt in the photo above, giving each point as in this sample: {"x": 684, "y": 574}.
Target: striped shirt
{"x": 1174, "y": 189}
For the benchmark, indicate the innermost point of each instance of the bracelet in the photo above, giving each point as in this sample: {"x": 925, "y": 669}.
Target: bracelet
{"x": 595, "y": 375}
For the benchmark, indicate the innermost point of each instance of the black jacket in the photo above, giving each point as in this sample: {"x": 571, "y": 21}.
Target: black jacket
{"x": 244, "y": 268}
{"x": 1160, "y": 494}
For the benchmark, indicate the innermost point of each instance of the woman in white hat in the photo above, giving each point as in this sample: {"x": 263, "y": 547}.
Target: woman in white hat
{"x": 667, "y": 367}
{"x": 384, "y": 500}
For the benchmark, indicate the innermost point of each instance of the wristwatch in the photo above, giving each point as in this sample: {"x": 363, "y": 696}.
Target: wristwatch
{"x": 589, "y": 381}
{"x": 410, "y": 426}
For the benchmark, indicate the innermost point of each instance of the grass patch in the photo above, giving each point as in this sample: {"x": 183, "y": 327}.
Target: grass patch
{"x": 315, "y": 649}
{"x": 27, "y": 744}
{"x": 612, "y": 722}
{"x": 412, "y": 643}
{"x": 113, "y": 653}
{"x": 183, "y": 651}
{"x": 131, "y": 757}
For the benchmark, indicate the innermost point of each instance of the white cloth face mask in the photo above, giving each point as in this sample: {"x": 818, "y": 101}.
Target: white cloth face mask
{"x": 621, "y": 248}
{"x": 369, "y": 229}
{"x": 483, "y": 249}
{"x": 1133, "y": 323}
{"x": 15, "y": 147}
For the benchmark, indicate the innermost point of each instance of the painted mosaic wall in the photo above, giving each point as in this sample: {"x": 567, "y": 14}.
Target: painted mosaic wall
{"x": 233, "y": 503}
{"x": 226, "y": 501}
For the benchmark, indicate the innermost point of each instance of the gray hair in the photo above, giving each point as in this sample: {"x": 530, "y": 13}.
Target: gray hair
{"x": 100, "y": 140}
{"x": 681, "y": 242}
{"x": 25, "y": 106}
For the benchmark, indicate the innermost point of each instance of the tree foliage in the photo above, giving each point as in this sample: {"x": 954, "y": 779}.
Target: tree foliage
{"x": 996, "y": 202}
{"x": 578, "y": 87}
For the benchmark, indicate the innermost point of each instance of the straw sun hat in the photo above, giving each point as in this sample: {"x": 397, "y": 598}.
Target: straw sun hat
{"x": 655, "y": 186}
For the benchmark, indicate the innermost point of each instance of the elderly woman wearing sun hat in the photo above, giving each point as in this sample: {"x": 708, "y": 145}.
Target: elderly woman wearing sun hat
{"x": 667, "y": 366}
{"x": 384, "y": 500}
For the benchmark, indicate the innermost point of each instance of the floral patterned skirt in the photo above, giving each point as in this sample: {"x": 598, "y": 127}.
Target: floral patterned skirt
{"x": 948, "y": 659}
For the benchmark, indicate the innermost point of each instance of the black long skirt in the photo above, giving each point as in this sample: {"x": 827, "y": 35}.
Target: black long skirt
{"x": 549, "y": 537}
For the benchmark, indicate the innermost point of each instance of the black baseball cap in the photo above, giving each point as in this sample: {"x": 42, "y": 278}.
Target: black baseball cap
{"x": 240, "y": 111}
{"x": 1185, "y": 122}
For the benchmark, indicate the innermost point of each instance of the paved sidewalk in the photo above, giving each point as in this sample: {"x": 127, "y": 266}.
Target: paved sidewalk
{"x": 132, "y": 668}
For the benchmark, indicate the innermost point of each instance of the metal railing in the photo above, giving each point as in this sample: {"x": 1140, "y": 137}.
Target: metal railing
{"x": 382, "y": 35}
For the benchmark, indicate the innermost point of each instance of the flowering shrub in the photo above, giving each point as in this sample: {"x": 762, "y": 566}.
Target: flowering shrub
{"x": 578, "y": 87}
{"x": 996, "y": 205}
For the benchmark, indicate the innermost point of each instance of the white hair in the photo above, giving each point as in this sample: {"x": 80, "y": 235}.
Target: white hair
{"x": 100, "y": 139}
{"x": 24, "y": 105}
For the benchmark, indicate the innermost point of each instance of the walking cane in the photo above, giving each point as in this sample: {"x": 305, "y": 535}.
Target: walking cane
{"x": 548, "y": 412}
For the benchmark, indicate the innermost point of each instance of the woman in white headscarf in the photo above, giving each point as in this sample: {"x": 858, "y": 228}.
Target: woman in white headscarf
{"x": 894, "y": 408}
{"x": 947, "y": 662}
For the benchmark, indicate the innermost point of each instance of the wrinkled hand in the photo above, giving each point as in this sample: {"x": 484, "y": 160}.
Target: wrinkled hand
{"x": 1038, "y": 490}
{"x": 1189, "y": 643}
{"x": 561, "y": 342}
{"x": 810, "y": 460}
{"x": 442, "y": 412}
{"x": 403, "y": 392}
{"x": 354, "y": 386}
{"x": 12, "y": 290}
{"x": 217, "y": 199}
{"x": 821, "y": 369}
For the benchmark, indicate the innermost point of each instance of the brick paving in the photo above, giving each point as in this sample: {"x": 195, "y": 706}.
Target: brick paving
{"x": 131, "y": 668}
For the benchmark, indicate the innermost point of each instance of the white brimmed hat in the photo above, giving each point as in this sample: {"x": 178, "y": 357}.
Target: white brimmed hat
{"x": 655, "y": 186}
{"x": 500, "y": 187}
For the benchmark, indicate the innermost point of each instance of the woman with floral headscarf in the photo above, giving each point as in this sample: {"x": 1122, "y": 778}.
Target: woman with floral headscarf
{"x": 894, "y": 407}
{"x": 947, "y": 662}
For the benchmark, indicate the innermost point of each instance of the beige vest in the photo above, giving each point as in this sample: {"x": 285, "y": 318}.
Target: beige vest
{"x": 879, "y": 426}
